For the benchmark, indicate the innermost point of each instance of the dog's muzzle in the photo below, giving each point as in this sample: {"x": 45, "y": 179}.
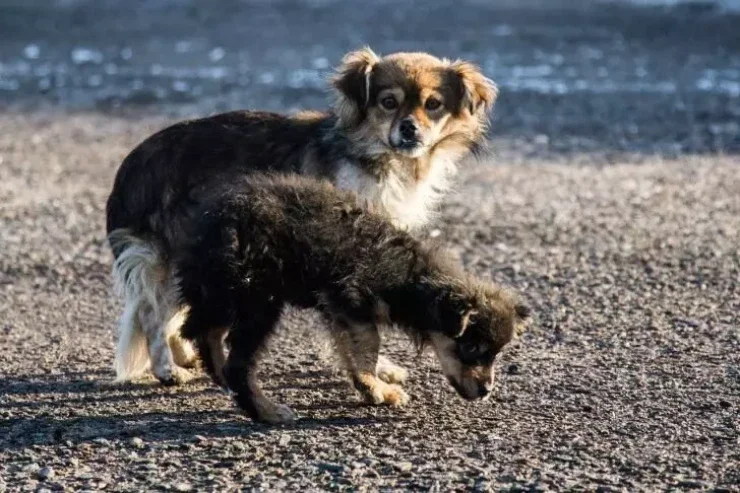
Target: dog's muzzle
{"x": 408, "y": 136}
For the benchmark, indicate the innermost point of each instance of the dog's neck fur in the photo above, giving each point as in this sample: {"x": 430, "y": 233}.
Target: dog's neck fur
{"x": 408, "y": 189}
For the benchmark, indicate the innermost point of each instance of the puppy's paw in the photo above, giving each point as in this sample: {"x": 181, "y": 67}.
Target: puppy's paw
{"x": 277, "y": 414}
{"x": 395, "y": 396}
{"x": 390, "y": 372}
{"x": 388, "y": 394}
{"x": 174, "y": 376}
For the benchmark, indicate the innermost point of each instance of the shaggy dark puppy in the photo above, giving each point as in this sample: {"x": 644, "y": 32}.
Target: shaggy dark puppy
{"x": 270, "y": 241}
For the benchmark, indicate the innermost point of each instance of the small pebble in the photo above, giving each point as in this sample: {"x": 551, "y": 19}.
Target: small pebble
{"x": 46, "y": 473}
{"x": 330, "y": 467}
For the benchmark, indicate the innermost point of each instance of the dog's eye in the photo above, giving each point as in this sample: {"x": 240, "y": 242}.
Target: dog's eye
{"x": 389, "y": 103}
{"x": 432, "y": 104}
{"x": 471, "y": 351}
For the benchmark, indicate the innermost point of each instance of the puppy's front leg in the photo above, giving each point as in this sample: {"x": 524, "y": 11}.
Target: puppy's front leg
{"x": 358, "y": 347}
{"x": 240, "y": 372}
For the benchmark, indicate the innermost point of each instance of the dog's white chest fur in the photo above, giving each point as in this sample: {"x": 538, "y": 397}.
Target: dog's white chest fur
{"x": 410, "y": 204}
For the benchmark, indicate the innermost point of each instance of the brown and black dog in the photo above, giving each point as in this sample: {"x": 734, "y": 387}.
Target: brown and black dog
{"x": 399, "y": 127}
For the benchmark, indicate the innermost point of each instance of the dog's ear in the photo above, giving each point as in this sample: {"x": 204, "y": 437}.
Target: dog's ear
{"x": 352, "y": 84}
{"x": 477, "y": 92}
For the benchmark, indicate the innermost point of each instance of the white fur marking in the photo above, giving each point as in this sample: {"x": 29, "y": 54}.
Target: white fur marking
{"x": 410, "y": 205}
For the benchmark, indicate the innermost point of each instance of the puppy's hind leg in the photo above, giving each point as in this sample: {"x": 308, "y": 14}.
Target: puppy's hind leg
{"x": 358, "y": 346}
{"x": 246, "y": 339}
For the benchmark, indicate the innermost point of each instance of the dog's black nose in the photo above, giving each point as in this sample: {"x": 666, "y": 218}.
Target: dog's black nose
{"x": 409, "y": 131}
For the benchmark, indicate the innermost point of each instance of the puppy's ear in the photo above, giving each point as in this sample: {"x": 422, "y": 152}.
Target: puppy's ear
{"x": 352, "y": 85}
{"x": 477, "y": 92}
{"x": 455, "y": 313}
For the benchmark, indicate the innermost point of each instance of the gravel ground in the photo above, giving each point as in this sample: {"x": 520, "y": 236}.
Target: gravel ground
{"x": 616, "y": 214}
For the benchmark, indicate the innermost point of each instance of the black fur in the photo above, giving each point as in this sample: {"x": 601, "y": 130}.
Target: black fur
{"x": 159, "y": 182}
{"x": 264, "y": 242}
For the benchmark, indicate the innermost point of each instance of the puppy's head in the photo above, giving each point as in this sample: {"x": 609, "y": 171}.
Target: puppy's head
{"x": 412, "y": 103}
{"x": 477, "y": 323}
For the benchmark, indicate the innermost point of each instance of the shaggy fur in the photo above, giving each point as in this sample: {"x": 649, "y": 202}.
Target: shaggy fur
{"x": 270, "y": 241}
{"x": 442, "y": 107}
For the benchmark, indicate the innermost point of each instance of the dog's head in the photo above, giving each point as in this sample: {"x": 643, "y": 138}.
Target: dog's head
{"x": 412, "y": 103}
{"x": 476, "y": 324}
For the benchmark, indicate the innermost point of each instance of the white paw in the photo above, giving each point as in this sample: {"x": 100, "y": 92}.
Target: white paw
{"x": 174, "y": 376}
{"x": 390, "y": 372}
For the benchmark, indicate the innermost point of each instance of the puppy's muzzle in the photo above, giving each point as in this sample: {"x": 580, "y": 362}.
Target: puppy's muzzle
{"x": 472, "y": 390}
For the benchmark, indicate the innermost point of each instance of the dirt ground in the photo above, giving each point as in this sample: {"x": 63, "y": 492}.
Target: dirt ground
{"x": 615, "y": 213}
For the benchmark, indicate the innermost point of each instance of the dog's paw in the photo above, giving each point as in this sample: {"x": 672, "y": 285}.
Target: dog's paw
{"x": 390, "y": 372}
{"x": 278, "y": 414}
{"x": 175, "y": 376}
{"x": 388, "y": 394}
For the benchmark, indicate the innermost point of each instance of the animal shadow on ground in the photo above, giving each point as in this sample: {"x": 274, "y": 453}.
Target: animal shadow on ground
{"x": 49, "y": 409}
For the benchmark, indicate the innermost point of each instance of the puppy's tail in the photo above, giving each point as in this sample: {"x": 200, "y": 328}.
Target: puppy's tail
{"x": 139, "y": 274}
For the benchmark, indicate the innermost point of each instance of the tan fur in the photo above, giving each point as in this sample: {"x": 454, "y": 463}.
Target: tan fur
{"x": 412, "y": 78}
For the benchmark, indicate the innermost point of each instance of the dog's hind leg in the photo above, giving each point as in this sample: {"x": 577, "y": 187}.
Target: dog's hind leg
{"x": 163, "y": 364}
{"x": 246, "y": 339}
{"x": 358, "y": 346}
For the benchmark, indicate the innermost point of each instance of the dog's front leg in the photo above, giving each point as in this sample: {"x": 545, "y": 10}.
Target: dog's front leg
{"x": 358, "y": 347}
{"x": 240, "y": 372}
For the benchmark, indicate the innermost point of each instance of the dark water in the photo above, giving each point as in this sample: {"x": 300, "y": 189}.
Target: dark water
{"x": 213, "y": 55}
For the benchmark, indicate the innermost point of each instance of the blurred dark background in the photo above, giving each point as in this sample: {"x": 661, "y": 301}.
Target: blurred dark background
{"x": 648, "y": 76}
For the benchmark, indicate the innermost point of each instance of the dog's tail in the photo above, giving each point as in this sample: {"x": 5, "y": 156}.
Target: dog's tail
{"x": 139, "y": 273}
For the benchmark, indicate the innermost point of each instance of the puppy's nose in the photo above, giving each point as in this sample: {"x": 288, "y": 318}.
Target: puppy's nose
{"x": 409, "y": 131}
{"x": 484, "y": 388}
